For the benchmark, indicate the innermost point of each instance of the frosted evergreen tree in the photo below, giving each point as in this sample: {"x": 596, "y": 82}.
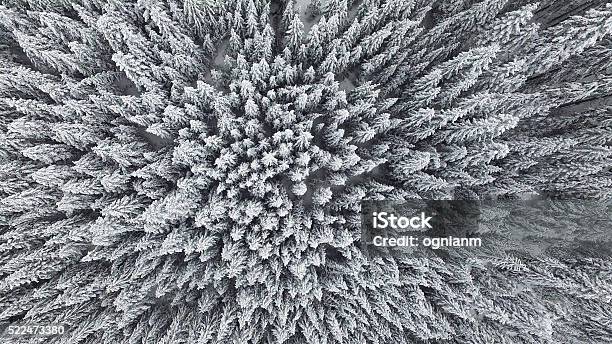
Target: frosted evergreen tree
{"x": 192, "y": 171}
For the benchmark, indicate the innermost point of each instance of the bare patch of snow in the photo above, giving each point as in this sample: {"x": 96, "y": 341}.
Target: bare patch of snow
{"x": 349, "y": 82}
{"x": 220, "y": 55}
{"x": 347, "y": 85}
{"x": 307, "y": 17}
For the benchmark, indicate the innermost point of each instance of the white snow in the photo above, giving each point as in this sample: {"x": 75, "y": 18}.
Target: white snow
{"x": 305, "y": 15}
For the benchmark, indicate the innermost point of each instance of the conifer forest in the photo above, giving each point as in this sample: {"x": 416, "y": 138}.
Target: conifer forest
{"x": 195, "y": 171}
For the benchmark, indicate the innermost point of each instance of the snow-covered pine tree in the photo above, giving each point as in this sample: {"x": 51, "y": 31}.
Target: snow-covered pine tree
{"x": 191, "y": 171}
